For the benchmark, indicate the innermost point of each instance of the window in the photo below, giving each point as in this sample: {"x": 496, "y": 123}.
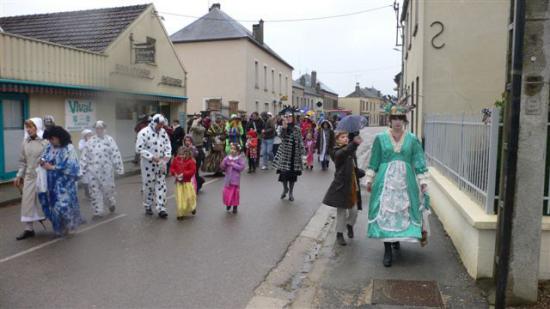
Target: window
{"x": 280, "y": 83}
{"x": 265, "y": 77}
{"x": 272, "y": 80}
{"x": 286, "y": 84}
{"x": 266, "y": 107}
{"x": 256, "y": 77}
{"x": 416, "y": 4}
{"x": 13, "y": 113}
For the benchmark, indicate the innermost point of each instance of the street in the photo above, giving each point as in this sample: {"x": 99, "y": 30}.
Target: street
{"x": 214, "y": 260}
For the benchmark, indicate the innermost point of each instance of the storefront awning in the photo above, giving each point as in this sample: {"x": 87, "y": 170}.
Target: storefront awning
{"x": 20, "y": 86}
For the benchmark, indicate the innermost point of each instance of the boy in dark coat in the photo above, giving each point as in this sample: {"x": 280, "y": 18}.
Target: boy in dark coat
{"x": 344, "y": 192}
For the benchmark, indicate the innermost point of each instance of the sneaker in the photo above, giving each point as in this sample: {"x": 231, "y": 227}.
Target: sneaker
{"x": 228, "y": 208}
{"x": 163, "y": 214}
{"x": 25, "y": 234}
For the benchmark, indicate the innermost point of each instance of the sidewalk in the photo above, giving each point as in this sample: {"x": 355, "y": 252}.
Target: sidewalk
{"x": 354, "y": 277}
{"x": 9, "y": 194}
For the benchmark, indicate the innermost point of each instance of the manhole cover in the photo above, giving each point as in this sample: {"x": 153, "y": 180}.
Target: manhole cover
{"x": 408, "y": 293}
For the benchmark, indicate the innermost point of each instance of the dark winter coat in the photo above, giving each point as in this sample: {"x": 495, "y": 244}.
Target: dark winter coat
{"x": 339, "y": 192}
{"x": 330, "y": 140}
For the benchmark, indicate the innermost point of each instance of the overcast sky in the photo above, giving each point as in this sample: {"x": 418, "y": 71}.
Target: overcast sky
{"x": 343, "y": 50}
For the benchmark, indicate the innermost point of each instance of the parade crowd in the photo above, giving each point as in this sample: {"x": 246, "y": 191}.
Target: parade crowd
{"x": 51, "y": 169}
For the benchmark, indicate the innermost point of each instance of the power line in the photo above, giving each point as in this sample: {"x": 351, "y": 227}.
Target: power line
{"x": 286, "y": 20}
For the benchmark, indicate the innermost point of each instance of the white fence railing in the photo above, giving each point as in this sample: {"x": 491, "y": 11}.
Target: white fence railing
{"x": 465, "y": 149}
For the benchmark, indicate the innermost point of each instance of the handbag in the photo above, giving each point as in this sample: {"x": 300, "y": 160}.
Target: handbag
{"x": 41, "y": 180}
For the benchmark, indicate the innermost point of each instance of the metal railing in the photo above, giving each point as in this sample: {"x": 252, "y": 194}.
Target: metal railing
{"x": 465, "y": 149}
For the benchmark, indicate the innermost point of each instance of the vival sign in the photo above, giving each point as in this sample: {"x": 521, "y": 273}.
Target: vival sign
{"x": 79, "y": 114}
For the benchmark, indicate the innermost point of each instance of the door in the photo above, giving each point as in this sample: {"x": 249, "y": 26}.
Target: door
{"x": 13, "y": 112}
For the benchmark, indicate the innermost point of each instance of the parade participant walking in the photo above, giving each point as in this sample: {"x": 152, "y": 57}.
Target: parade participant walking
{"x": 85, "y": 136}
{"x": 60, "y": 201}
{"x": 396, "y": 171}
{"x": 325, "y": 142}
{"x": 216, "y": 134}
{"x": 177, "y": 136}
{"x": 155, "y": 151}
{"x": 252, "y": 150}
{"x": 256, "y": 123}
{"x": 197, "y": 130}
{"x": 268, "y": 136}
{"x": 344, "y": 192}
{"x": 233, "y": 165}
{"x": 188, "y": 142}
{"x": 310, "y": 150}
{"x": 183, "y": 169}
{"x": 288, "y": 160}
{"x": 234, "y": 132}
{"x": 29, "y": 160}
{"x": 99, "y": 162}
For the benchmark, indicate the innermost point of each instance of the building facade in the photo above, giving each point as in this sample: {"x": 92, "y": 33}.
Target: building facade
{"x": 368, "y": 102}
{"x": 114, "y": 74}
{"x": 309, "y": 93}
{"x": 444, "y": 69}
{"x": 233, "y": 70}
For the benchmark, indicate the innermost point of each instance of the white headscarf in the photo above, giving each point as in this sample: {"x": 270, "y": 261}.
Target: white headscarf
{"x": 39, "y": 124}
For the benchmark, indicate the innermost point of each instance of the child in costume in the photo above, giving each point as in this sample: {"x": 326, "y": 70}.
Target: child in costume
{"x": 310, "y": 150}
{"x": 183, "y": 168}
{"x": 232, "y": 165}
{"x": 188, "y": 142}
{"x": 252, "y": 150}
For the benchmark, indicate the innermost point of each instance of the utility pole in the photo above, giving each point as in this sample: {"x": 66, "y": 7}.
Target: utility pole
{"x": 523, "y": 155}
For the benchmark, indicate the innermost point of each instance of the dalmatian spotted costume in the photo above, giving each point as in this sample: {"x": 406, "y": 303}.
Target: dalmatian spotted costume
{"x": 153, "y": 146}
{"x": 99, "y": 161}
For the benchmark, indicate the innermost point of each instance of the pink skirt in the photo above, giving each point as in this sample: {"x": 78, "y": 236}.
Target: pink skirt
{"x": 231, "y": 195}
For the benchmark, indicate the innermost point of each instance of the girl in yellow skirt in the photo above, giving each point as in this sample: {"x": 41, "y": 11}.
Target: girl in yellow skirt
{"x": 183, "y": 168}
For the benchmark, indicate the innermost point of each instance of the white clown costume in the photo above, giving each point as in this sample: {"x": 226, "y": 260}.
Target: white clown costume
{"x": 99, "y": 161}
{"x": 155, "y": 151}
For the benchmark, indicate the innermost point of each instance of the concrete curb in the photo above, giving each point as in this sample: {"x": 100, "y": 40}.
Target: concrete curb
{"x": 279, "y": 288}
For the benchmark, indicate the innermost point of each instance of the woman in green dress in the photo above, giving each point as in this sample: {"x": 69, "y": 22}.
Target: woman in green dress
{"x": 396, "y": 177}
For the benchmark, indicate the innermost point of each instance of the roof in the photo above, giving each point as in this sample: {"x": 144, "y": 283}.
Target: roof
{"x": 307, "y": 78}
{"x": 92, "y": 30}
{"x": 365, "y": 93}
{"x": 217, "y": 25}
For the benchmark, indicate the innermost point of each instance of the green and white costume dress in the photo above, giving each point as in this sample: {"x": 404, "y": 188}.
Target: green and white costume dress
{"x": 396, "y": 169}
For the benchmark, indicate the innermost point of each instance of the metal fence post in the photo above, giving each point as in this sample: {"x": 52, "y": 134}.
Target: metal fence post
{"x": 493, "y": 156}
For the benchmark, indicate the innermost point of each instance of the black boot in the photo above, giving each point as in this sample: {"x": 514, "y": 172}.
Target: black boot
{"x": 340, "y": 239}
{"x": 291, "y": 191}
{"x": 25, "y": 234}
{"x": 235, "y": 209}
{"x": 227, "y": 208}
{"x": 285, "y": 190}
{"x": 387, "y": 254}
{"x": 396, "y": 245}
{"x": 350, "y": 231}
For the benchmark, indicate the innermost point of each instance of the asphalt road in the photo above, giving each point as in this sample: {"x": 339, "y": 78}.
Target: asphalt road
{"x": 214, "y": 260}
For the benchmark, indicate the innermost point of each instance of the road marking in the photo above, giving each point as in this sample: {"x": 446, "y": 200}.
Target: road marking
{"x": 53, "y": 241}
{"x": 204, "y": 184}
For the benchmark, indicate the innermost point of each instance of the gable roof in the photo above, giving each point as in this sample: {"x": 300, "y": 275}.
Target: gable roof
{"x": 92, "y": 30}
{"x": 365, "y": 93}
{"x": 307, "y": 81}
{"x": 216, "y": 25}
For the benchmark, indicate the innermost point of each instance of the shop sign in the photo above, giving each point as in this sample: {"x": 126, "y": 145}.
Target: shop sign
{"x": 145, "y": 52}
{"x": 132, "y": 71}
{"x": 79, "y": 114}
{"x": 170, "y": 81}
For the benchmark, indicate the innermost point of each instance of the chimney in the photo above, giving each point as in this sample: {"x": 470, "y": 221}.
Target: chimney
{"x": 258, "y": 31}
{"x": 357, "y": 87}
{"x": 215, "y": 6}
{"x": 313, "y": 79}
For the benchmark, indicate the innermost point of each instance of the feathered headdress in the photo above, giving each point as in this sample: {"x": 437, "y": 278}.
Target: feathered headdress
{"x": 289, "y": 110}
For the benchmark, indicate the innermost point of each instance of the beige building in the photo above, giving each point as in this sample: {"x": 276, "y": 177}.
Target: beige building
{"x": 454, "y": 56}
{"x": 310, "y": 93}
{"x": 232, "y": 69}
{"x": 366, "y": 102}
{"x": 454, "y": 62}
{"x": 115, "y": 73}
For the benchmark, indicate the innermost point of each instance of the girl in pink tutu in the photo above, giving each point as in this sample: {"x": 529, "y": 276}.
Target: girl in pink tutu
{"x": 232, "y": 165}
